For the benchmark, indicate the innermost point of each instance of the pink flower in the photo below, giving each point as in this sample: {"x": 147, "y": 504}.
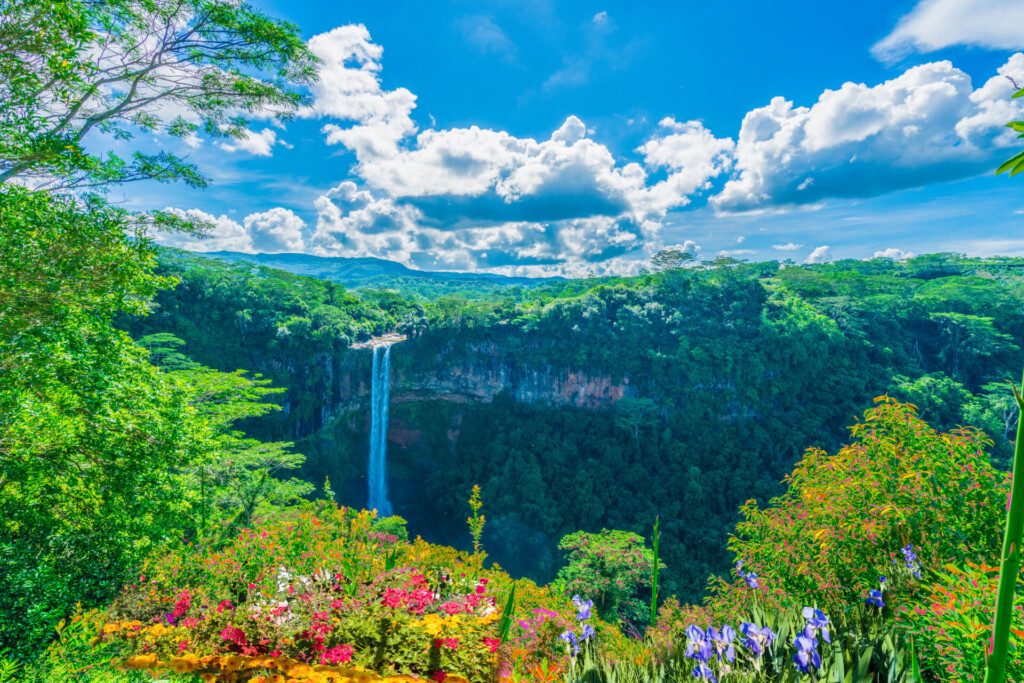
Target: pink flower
{"x": 451, "y": 643}
{"x": 183, "y": 604}
{"x": 452, "y": 608}
{"x": 393, "y": 597}
{"x": 182, "y": 646}
{"x": 492, "y": 644}
{"x": 224, "y": 606}
{"x": 235, "y": 636}
{"x": 338, "y": 654}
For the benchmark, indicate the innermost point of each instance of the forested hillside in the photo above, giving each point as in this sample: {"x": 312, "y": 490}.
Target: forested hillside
{"x": 562, "y": 404}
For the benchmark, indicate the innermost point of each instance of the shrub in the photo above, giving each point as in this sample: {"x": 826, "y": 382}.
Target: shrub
{"x": 612, "y": 568}
{"x": 846, "y": 519}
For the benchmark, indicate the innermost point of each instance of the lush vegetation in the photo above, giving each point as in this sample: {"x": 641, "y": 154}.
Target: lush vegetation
{"x": 734, "y": 370}
{"x": 159, "y": 523}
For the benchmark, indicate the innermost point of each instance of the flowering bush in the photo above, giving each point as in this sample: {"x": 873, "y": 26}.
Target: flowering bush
{"x": 611, "y": 567}
{"x": 847, "y": 518}
{"x": 326, "y": 594}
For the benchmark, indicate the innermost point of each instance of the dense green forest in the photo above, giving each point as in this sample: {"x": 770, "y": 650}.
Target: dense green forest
{"x": 728, "y": 372}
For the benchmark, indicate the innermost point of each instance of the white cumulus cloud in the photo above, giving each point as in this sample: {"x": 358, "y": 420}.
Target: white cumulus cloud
{"x": 259, "y": 144}
{"x": 349, "y": 90}
{"x": 273, "y": 231}
{"x": 476, "y": 198}
{"x": 820, "y": 254}
{"x": 926, "y": 125}
{"x": 894, "y": 254}
{"x": 276, "y": 230}
{"x": 935, "y": 24}
{"x": 225, "y": 234}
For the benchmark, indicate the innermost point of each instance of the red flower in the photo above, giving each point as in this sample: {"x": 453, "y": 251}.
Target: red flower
{"x": 492, "y": 644}
{"x": 439, "y": 676}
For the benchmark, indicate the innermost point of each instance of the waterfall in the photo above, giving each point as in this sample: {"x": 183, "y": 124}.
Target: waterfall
{"x": 377, "y": 471}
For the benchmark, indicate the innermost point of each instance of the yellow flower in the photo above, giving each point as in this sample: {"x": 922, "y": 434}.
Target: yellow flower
{"x": 185, "y": 663}
{"x": 142, "y": 661}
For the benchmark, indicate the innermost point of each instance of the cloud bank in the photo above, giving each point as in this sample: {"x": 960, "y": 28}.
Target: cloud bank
{"x": 472, "y": 198}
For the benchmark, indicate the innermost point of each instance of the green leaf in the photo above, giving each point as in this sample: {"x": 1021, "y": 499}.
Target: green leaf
{"x": 915, "y": 666}
{"x": 1010, "y": 163}
{"x": 505, "y": 623}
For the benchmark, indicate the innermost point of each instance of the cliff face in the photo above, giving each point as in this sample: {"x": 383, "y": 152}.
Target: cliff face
{"x": 481, "y": 376}
{"x": 475, "y": 374}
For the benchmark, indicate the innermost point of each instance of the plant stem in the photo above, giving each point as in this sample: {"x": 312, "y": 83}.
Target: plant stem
{"x": 655, "y": 538}
{"x": 1009, "y": 569}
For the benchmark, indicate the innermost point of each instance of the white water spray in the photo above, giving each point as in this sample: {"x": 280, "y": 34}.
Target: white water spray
{"x": 379, "y": 397}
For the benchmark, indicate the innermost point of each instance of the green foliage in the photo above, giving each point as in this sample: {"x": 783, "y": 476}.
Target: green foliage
{"x": 212, "y": 63}
{"x": 476, "y": 520}
{"x": 507, "y": 614}
{"x": 725, "y": 373}
{"x": 79, "y": 654}
{"x": 671, "y": 258}
{"x": 844, "y": 518}
{"x": 393, "y": 526}
{"x": 1010, "y": 560}
{"x": 953, "y": 627}
{"x": 89, "y": 431}
{"x": 612, "y": 568}
{"x": 1014, "y": 164}
{"x": 105, "y": 455}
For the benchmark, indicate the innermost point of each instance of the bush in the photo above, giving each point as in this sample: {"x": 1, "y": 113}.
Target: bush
{"x": 846, "y": 519}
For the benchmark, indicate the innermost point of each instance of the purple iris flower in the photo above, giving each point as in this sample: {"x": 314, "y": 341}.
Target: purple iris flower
{"x": 875, "y": 598}
{"x": 586, "y": 632}
{"x": 698, "y": 645}
{"x": 583, "y": 607}
{"x": 910, "y": 559}
{"x": 749, "y": 577}
{"x": 807, "y": 656}
{"x": 722, "y": 642}
{"x": 756, "y": 639}
{"x": 817, "y": 620}
{"x": 805, "y": 660}
{"x": 703, "y": 671}
{"x": 570, "y": 640}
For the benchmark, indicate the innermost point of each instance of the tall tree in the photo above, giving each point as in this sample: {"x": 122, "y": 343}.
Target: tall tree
{"x": 176, "y": 67}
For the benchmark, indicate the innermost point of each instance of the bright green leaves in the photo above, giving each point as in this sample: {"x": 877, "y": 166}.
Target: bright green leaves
{"x": 1014, "y": 164}
{"x": 215, "y": 62}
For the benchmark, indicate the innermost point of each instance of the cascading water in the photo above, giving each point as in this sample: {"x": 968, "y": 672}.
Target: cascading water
{"x": 377, "y": 471}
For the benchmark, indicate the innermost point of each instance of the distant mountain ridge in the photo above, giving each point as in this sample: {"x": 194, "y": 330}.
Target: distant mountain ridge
{"x": 356, "y": 272}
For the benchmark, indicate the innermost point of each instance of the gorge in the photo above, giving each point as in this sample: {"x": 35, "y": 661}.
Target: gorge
{"x": 562, "y": 404}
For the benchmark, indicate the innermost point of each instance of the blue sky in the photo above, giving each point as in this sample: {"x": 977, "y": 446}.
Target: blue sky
{"x": 541, "y": 137}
